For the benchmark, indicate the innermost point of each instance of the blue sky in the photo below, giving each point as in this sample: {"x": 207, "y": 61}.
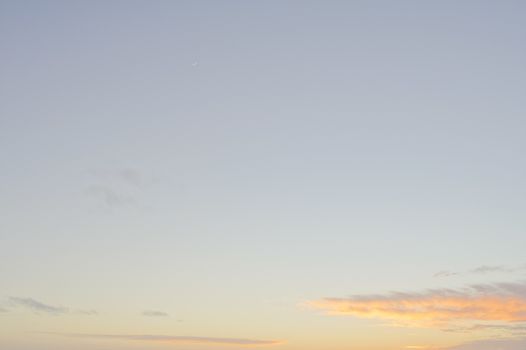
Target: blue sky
{"x": 223, "y": 164}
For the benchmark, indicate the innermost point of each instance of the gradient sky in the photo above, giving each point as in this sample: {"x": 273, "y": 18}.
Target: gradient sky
{"x": 300, "y": 175}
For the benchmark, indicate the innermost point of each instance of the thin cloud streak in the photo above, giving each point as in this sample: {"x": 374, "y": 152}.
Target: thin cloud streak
{"x": 179, "y": 339}
{"x": 445, "y": 274}
{"x": 86, "y": 312}
{"x": 153, "y": 313}
{"x": 511, "y": 329}
{"x": 37, "y": 306}
{"x": 484, "y": 302}
{"x": 493, "y": 344}
{"x": 40, "y": 307}
{"x": 488, "y": 269}
{"x": 482, "y": 270}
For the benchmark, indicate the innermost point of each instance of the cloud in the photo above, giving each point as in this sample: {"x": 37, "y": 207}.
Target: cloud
{"x": 437, "y": 307}
{"x": 86, "y": 312}
{"x": 109, "y": 196}
{"x": 118, "y": 188}
{"x": 131, "y": 177}
{"x": 484, "y": 269}
{"x": 445, "y": 274}
{"x": 493, "y": 344}
{"x": 179, "y": 339}
{"x": 3, "y": 310}
{"x": 153, "y": 313}
{"x": 487, "y": 269}
{"x": 510, "y": 329}
{"x": 38, "y": 306}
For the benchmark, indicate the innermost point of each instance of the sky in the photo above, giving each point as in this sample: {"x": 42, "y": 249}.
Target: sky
{"x": 291, "y": 175}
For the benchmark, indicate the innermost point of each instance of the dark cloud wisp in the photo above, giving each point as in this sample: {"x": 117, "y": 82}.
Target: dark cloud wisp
{"x": 38, "y": 306}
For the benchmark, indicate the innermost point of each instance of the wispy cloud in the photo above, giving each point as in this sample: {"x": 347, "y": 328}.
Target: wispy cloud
{"x": 37, "y": 306}
{"x": 2, "y": 309}
{"x": 483, "y": 269}
{"x": 131, "y": 176}
{"x": 436, "y": 307}
{"x": 153, "y": 313}
{"x": 40, "y": 307}
{"x": 488, "y": 269}
{"x": 445, "y": 274}
{"x": 86, "y": 312}
{"x": 509, "y": 329}
{"x": 109, "y": 196}
{"x": 493, "y": 344}
{"x": 179, "y": 339}
{"x": 118, "y": 188}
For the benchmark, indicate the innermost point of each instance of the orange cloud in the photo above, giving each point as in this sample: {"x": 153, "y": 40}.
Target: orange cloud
{"x": 496, "y": 302}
